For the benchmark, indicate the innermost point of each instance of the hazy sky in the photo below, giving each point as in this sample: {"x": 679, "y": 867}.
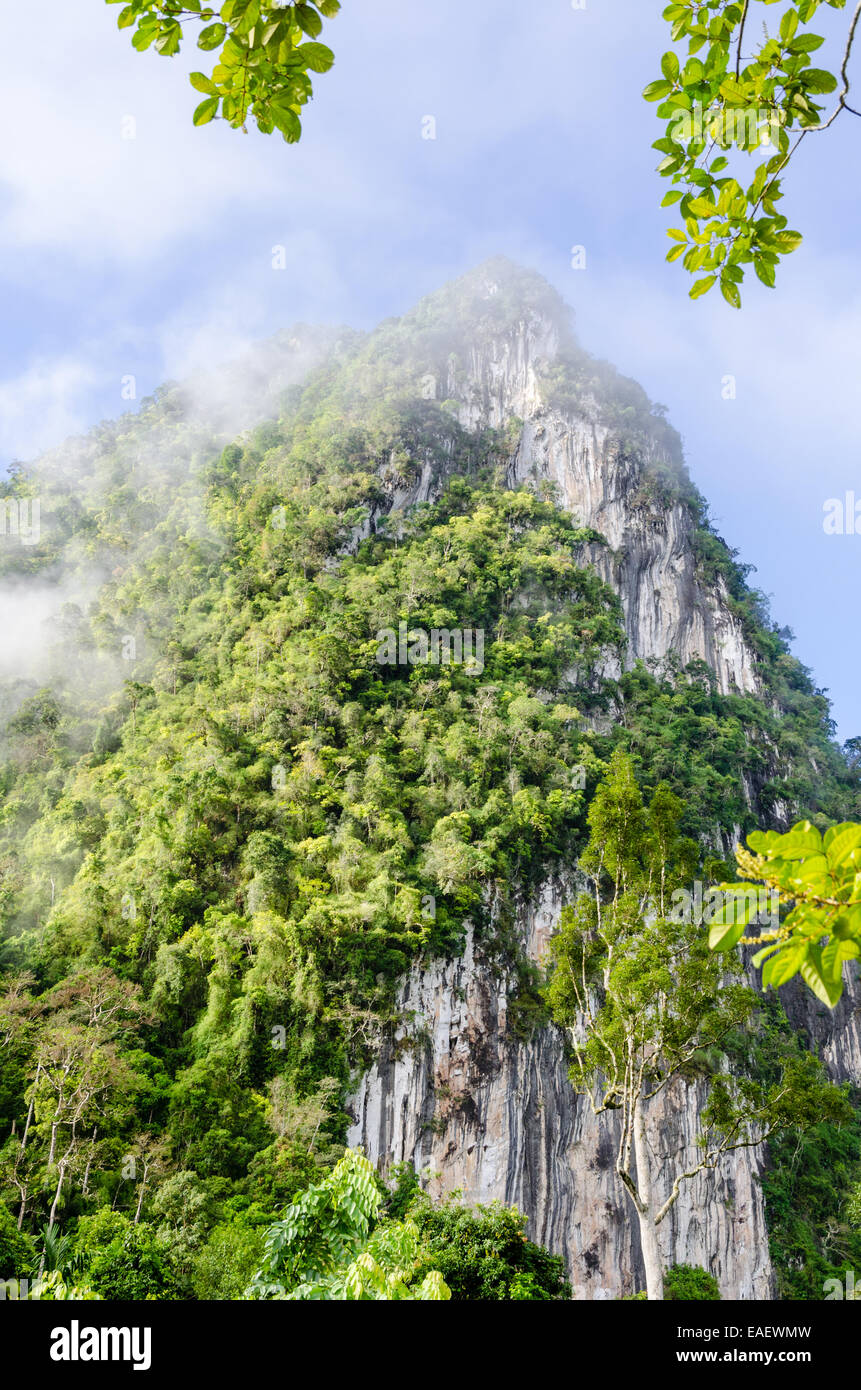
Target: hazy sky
{"x": 152, "y": 256}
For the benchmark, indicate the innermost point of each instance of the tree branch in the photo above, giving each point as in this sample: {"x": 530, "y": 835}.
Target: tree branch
{"x": 740, "y": 37}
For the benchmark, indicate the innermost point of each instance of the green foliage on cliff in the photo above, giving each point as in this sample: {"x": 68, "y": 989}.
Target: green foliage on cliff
{"x": 227, "y": 826}
{"x": 483, "y": 1253}
{"x": 689, "y": 1284}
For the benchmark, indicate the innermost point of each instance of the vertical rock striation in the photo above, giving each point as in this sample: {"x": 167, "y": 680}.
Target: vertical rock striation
{"x": 456, "y": 1092}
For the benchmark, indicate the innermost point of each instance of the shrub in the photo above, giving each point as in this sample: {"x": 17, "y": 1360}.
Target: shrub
{"x": 225, "y": 1266}
{"x": 689, "y": 1283}
{"x": 16, "y": 1248}
{"x": 135, "y": 1266}
{"x": 483, "y": 1253}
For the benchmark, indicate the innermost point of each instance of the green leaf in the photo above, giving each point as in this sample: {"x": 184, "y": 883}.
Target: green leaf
{"x": 655, "y": 91}
{"x": 806, "y": 43}
{"x": 789, "y": 24}
{"x": 670, "y": 66}
{"x": 781, "y": 968}
{"x": 724, "y": 935}
{"x": 205, "y": 111}
{"x": 316, "y": 56}
{"x": 788, "y": 241}
{"x": 308, "y": 20}
{"x": 764, "y": 954}
{"x": 703, "y": 207}
{"x": 202, "y": 83}
{"x": 250, "y": 13}
{"x": 168, "y": 42}
{"x": 764, "y": 271}
{"x": 702, "y": 286}
{"x": 147, "y": 31}
{"x": 818, "y": 80}
{"x": 287, "y": 121}
{"x": 843, "y": 847}
{"x": 803, "y": 839}
{"x": 211, "y": 36}
{"x": 824, "y": 987}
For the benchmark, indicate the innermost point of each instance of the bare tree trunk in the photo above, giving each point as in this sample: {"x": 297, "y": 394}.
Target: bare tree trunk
{"x": 646, "y": 1209}
{"x": 62, "y": 1166}
{"x": 53, "y": 1149}
{"x": 141, "y": 1195}
{"x": 56, "y": 1200}
{"x": 31, "y": 1108}
{"x": 86, "y": 1182}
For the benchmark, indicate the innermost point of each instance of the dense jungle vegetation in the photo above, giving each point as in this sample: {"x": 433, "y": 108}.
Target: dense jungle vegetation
{"x": 227, "y": 827}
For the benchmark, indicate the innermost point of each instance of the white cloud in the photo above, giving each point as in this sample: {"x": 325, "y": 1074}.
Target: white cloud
{"x": 44, "y": 404}
{"x": 69, "y": 178}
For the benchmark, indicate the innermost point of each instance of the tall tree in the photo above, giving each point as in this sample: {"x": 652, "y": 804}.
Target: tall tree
{"x": 644, "y": 1001}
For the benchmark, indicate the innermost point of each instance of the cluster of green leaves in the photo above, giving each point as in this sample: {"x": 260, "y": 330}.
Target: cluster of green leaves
{"x": 483, "y": 1253}
{"x": 690, "y": 1284}
{"x": 17, "y": 1252}
{"x": 662, "y": 998}
{"x": 54, "y": 1287}
{"x": 811, "y": 1235}
{"x": 727, "y": 101}
{"x": 330, "y": 1245}
{"x": 684, "y": 1283}
{"x": 712, "y": 748}
{"x": 350, "y": 1238}
{"x": 266, "y": 53}
{"x": 821, "y": 875}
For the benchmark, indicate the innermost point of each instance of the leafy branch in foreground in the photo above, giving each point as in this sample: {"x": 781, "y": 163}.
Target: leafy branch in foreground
{"x": 821, "y": 874}
{"x": 729, "y": 101}
{"x": 264, "y": 61}
{"x": 330, "y": 1245}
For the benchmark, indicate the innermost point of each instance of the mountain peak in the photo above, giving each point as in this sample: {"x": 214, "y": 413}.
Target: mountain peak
{"x": 499, "y": 295}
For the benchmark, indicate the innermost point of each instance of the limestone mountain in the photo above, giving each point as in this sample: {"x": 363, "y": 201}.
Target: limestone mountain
{"x": 311, "y": 877}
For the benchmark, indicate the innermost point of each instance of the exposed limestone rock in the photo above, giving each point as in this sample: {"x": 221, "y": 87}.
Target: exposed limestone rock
{"x": 651, "y": 561}
{"x": 834, "y": 1033}
{"x": 652, "y": 566}
{"x": 456, "y": 1092}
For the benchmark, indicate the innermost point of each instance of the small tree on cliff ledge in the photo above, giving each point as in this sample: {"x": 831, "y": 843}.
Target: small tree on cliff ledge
{"x": 646, "y": 1005}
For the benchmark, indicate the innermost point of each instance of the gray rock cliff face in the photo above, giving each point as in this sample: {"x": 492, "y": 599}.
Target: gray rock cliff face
{"x": 650, "y": 561}
{"x": 652, "y": 565}
{"x": 455, "y": 1091}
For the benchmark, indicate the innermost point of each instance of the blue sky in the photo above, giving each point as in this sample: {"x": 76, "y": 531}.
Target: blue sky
{"x": 152, "y": 256}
